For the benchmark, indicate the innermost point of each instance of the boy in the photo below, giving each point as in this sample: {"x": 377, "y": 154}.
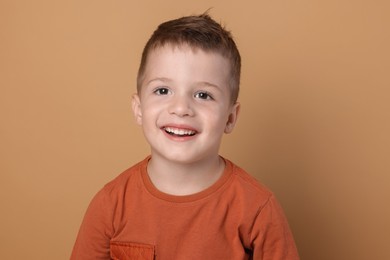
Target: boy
{"x": 184, "y": 201}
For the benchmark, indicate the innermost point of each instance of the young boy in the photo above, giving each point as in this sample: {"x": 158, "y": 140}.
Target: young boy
{"x": 184, "y": 201}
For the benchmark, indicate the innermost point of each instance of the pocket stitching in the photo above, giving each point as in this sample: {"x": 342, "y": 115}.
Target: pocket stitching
{"x": 144, "y": 251}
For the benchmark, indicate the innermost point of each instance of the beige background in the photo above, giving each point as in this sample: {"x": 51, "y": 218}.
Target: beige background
{"x": 314, "y": 126}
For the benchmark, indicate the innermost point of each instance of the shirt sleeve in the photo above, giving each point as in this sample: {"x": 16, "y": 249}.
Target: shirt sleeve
{"x": 93, "y": 239}
{"x": 271, "y": 235}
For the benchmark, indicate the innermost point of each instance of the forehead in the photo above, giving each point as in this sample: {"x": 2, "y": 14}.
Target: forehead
{"x": 185, "y": 62}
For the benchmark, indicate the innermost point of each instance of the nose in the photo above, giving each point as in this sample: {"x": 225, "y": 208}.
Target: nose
{"x": 181, "y": 106}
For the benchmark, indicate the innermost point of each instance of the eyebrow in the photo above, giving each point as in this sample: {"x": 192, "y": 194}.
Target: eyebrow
{"x": 199, "y": 83}
{"x": 208, "y": 84}
{"x": 162, "y": 79}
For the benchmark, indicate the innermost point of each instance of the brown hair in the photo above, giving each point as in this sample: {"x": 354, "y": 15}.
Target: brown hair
{"x": 198, "y": 32}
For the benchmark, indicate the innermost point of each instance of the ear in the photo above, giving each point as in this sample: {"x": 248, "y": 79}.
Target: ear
{"x": 136, "y": 106}
{"x": 232, "y": 119}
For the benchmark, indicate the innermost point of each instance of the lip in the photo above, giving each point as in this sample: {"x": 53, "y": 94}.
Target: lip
{"x": 179, "y": 132}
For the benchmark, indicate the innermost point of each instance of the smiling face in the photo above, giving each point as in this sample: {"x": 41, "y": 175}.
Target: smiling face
{"x": 184, "y": 105}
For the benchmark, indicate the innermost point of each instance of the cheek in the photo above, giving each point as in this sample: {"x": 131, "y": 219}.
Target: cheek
{"x": 216, "y": 121}
{"x": 151, "y": 113}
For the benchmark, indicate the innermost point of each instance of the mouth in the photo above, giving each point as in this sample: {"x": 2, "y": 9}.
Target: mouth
{"x": 180, "y": 132}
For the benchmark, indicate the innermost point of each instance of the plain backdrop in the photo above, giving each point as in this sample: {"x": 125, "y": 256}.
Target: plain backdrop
{"x": 314, "y": 125}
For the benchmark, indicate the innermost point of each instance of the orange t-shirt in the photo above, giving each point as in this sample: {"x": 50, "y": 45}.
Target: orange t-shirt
{"x": 235, "y": 218}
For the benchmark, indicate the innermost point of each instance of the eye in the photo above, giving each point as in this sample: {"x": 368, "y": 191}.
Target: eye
{"x": 161, "y": 91}
{"x": 203, "y": 95}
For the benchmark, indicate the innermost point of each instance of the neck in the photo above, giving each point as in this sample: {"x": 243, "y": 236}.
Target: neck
{"x": 177, "y": 178}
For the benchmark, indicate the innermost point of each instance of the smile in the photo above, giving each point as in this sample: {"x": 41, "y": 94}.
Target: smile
{"x": 179, "y": 131}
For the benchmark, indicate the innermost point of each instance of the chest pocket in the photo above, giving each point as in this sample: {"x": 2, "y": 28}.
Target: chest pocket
{"x": 131, "y": 251}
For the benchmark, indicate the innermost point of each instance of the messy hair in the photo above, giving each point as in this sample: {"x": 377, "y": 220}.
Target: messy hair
{"x": 198, "y": 32}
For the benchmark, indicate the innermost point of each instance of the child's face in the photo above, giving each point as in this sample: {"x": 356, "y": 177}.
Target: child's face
{"x": 184, "y": 104}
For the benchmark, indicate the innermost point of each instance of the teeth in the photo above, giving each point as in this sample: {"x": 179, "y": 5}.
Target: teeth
{"x": 177, "y": 131}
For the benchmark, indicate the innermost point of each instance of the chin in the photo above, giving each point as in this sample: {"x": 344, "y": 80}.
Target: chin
{"x": 182, "y": 158}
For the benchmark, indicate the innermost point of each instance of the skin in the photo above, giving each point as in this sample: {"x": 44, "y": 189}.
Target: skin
{"x": 184, "y": 108}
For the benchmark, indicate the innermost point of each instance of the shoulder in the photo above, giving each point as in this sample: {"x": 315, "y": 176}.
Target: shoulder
{"x": 243, "y": 178}
{"x": 131, "y": 177}
{"x": 248, "y": 187}
{"x": 112, "y": 196}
